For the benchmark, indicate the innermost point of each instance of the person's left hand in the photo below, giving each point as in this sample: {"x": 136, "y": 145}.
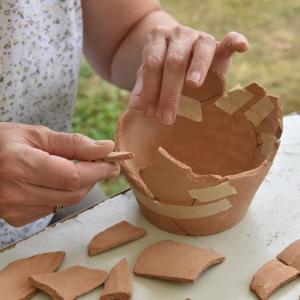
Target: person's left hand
{"x": 172, "y": 56}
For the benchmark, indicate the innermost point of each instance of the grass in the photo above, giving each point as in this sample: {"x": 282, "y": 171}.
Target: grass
{"x": 273, "y": 60}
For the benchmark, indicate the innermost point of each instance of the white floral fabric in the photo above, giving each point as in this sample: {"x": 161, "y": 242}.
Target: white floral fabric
{"x": 40, "y": 50}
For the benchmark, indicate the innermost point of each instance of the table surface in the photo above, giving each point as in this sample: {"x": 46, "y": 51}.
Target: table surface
{"x": 272, "y": 222}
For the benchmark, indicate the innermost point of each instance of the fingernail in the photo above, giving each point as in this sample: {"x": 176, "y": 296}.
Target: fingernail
{"x": 150, "y": 111}
{"x": 104, "y": 143}
{"x": 167, "y": 117}
{"x": 195, "y": 77}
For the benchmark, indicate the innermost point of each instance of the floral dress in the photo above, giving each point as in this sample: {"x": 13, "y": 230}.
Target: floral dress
{"x": 40, "y": 50}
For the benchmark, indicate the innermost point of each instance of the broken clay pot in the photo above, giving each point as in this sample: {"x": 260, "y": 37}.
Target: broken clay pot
{"x": 199, "y": 175}
{"x": 270, "y": 277}
{"x": 291, "y": 255}
{"x": 118, "y": 286}
{"x": 70, "y": 283}
{"x": 114, "y": 236}
{"x": 174, "y": 261}
{"x": 14, "y": 278}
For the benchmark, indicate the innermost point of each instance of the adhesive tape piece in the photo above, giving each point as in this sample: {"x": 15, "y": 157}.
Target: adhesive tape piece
{"x": 213, "y": 193}
{"x": 183, "y": 212}
{"x": 260, "y": 111}
{"x": 234, "y": 100}
{"x": 190, "y": 108}
{"x": 267, "y": 143}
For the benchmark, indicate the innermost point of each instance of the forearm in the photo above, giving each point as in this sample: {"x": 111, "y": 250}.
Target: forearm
{"x": 127, "y": 58}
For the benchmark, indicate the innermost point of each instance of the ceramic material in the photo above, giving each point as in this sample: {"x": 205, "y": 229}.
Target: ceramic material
{"x": 291, "y": 255}
{"x": 117, "y": 156}
{"x": 199, "y": 175}
{"x": 114, "y": 236}
{"x": 118, "y": 286}
{"x": 14, "y": 278}
{"x": 270, "y": 277}
{"x": 69, "y": 284}
{"x": 174, "y": 261}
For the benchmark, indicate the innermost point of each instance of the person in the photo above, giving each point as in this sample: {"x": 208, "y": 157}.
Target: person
{"x": 133, "y": 44}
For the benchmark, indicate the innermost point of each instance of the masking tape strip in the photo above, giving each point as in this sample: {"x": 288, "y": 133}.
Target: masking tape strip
{"x": 234, "y": 100}
{"x": 183, "y": 212}
{"x": 260, "y": 111}
{"x": 212, "y": 193}
{"x": 190, "y": 108}
{"x": 267, "y": 143}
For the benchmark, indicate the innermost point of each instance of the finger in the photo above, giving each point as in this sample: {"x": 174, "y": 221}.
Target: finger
{"x": 92, "y": 172}
{"x": 231, "y": 43}
{"x": 24, "y": 194}
{"x": 135, "y": 98}
{"x": 204, "y": 49}
{"x": 68, "y": 145}
{"x": 78, "y": 146}
{"x": 173, "y": 77}
{"x": 41, "y": 169}
{"x": 153, "y": 62}
{"x": 24, "y": 215}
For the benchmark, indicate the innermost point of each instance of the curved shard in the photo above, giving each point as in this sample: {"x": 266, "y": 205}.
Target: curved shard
{"x": 14, "y": 278}
{"x": 174, "y": 261}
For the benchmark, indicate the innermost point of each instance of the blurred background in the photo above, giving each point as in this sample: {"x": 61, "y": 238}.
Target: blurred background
{"x": 273, "y": 60}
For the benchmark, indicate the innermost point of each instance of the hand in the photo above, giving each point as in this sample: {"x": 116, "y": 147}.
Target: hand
{"x": 37, "y": 172}
{"x": 172, "y": 56}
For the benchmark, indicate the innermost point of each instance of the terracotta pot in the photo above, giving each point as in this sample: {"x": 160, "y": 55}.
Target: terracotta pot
{"x": 199, "y": 175}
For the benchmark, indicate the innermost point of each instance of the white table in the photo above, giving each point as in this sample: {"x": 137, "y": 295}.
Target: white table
{"x": 272, "y": 222}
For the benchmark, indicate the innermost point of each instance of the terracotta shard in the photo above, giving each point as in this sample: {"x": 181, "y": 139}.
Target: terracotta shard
{"x": 114, "y": 236}
{"x": 69, "y": 284}
{"x": 119, "y": 283}
{"x": 270, "y": 277}
{"x": 291, "y": 255}
{"x": 14, "y": 278}
{"x": 219, "y": 140}
{"x": 174, "y": 261}
{"x": 117, "y": 156}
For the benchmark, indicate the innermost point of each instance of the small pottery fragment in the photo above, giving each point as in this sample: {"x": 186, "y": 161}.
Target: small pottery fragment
{"x": 291, "y": 255}
{"x": 119, "y": 283}
{"x": 174, "y": 261}
{"x": 14, "y": 278}
{"x": 270, "y": 277}
{"x": 69, "y": 284}
{"x": 116, "y": 156}
{"x": 199, "y": 175}
{"x": 114, "y": 236}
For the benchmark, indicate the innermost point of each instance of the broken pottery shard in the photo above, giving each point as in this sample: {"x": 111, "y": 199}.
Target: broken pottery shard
{"x": 119, "y": 283}
{"x": 270, "y": 277}
{"x": 114, "y": 236}
{"x": 221, "y": 145}
{"x": 117, "y": 156}
{"x": 70, "y": 283}
{"x": 291, "y": 255}
{"x": 174, "y": 261}
{"x": 14, "y": 278}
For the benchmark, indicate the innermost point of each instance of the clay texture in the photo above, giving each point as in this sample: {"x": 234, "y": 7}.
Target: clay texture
{"x": 174, "y": 261}
{"x": 119, "y": 283}
{"x": 69, "y": 284}
{"x": 182, "y": 166}
{"x": 291, "y": 255}
{"x": 14, "y": 278}
{"x": 270, "y": 277}
{"x": 117, "y": 156}
{"x": 114, "y": 236}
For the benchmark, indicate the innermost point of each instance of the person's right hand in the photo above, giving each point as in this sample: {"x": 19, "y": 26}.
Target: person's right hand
{"x": 37, "y": 172}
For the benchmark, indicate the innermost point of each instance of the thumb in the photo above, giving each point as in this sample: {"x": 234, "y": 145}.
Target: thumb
{"x": 78, "y": 146}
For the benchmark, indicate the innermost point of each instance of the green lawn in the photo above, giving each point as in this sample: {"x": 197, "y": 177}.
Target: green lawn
{"x": 273, "y": 60}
